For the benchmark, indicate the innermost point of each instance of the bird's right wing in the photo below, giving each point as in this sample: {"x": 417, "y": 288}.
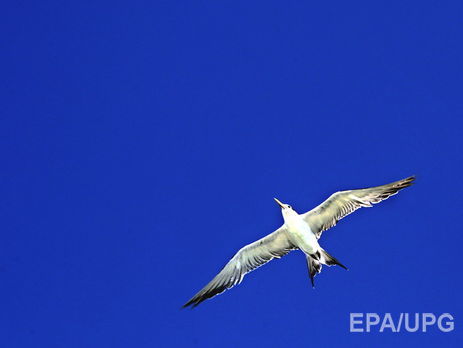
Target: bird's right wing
{"x": 248, "y": 258}
{"x": 343, "y": 203}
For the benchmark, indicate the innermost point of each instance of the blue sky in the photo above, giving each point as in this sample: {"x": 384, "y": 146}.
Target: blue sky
{"x": 142, "y": 144}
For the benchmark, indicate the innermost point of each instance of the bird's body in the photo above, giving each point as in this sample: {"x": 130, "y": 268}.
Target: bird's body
{"x": 299, "y": 231}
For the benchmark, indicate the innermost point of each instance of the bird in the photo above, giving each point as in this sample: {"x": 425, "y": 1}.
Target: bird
{"x": 298, "y": 232}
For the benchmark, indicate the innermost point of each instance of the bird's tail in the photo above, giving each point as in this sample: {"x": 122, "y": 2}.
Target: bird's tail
{"x": 314, "y": 267}
{"x": 315, "y": 262}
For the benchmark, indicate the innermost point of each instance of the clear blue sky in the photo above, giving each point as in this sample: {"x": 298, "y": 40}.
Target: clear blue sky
{"x": 123, "y": 125}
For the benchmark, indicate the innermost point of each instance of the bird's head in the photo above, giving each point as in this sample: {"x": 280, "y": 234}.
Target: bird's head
{"x": 286, "y": 209}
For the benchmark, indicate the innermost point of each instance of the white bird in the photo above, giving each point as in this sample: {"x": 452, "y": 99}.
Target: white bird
{"x": 299, "y": 231}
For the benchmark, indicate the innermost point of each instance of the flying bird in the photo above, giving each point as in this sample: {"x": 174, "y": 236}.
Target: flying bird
{"x": 299, "y": 231}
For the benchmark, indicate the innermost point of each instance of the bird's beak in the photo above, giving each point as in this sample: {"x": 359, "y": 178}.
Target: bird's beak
{"x": 279, "y": 203}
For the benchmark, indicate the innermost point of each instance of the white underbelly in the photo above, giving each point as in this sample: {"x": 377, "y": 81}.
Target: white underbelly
{"x": 303, "y": 237}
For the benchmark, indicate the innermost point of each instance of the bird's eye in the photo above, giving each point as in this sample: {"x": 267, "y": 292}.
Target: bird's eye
{"x": 289, "y": 206}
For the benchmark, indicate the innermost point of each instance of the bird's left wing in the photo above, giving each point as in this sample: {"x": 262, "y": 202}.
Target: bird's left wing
{"x": 343, "y": 203}
{"x": 247, "y": 259}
